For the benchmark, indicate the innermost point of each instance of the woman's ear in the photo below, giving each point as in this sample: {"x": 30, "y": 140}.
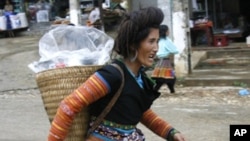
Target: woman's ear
{"x": 132, "y": 50}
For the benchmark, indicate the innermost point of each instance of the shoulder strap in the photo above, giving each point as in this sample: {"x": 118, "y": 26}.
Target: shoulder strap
{"x": 111, "y": 103}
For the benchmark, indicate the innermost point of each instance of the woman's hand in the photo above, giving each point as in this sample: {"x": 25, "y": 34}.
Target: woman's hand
{"x": 179, "y": 137}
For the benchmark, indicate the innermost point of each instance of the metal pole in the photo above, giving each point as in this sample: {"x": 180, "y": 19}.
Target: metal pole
{"x": 189, "y": 48}
{"x": 214, "y": 14}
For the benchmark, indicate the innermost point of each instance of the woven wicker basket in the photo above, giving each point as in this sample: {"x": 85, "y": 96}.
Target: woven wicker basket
{"x": 55, "y": 84}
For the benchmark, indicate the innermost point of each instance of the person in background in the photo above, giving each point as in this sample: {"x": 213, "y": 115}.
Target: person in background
{"x": 163, "y": 72}
{"x": 8, "y": 10}
{"x": 137, "y": 44}
{"x": 8, "y": 7}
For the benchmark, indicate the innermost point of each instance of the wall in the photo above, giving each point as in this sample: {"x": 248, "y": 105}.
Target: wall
{"x": 181, "y": 36}
{"x": 165, "y": 5}
{"x": 136, "y": 4}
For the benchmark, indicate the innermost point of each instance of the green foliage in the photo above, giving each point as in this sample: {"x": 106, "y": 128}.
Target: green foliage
{"x": 240, "y": 84}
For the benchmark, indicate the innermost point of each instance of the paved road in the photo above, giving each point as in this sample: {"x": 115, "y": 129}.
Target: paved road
{"x": 202, "y": 114}
{"x": 15, "y": 55}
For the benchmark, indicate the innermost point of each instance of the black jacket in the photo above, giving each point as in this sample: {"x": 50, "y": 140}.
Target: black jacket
{"x": 133, "y": 101}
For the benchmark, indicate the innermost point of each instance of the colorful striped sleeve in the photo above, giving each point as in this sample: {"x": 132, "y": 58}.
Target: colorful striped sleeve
{"x": 156, "y": 124}
{"x": 91, "y": 90}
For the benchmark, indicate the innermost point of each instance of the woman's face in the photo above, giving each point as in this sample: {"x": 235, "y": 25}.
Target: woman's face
{"x": 148, "y": 48}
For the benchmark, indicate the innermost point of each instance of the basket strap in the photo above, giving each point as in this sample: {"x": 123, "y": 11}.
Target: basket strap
{"x": 111, "y": 103}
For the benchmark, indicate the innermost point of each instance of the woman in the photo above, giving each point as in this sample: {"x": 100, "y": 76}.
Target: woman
{"x": 137, "y": 43}
{"x": 164, "y": 69}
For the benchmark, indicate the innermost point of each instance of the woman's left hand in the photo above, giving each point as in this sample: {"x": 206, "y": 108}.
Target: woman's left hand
{"x": 179, "y": 137}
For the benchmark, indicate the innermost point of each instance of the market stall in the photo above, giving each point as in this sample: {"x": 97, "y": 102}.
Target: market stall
{"x": 11, "y": 18}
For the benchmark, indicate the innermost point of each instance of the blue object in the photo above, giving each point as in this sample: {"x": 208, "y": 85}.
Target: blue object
{"x": 7, "y": 15}
{"x": 244, "y": 92}
{"x": 172, "y": 73}
{"x": 166, "y": 47}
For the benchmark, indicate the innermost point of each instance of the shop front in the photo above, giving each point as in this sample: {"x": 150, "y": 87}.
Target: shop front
{"x": 219, "y": 22}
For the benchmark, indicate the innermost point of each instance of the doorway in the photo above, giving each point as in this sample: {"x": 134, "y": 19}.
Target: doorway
{"x": 229, "y": 17}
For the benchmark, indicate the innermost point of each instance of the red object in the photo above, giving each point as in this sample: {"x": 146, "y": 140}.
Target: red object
{"x": 60, "y": 65}
{"x": 220, "y": 40}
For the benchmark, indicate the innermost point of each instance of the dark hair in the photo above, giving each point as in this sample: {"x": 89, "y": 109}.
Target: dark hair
{"x": 163, "y": 30}
{"x": 134, "y": 28}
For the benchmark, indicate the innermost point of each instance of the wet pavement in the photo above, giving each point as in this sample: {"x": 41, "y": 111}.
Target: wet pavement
{"x": 201, "y": 113}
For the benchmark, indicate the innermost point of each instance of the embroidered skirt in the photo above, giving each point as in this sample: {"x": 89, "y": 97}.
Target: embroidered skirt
{"x": 107, "y": 132}
{"x": 163, "y": 69}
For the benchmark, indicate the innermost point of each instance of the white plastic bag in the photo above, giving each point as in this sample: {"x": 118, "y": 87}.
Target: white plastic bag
{"x": 73, "y": 46}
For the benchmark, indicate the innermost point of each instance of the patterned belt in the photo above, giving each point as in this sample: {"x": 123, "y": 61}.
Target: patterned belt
{"x": 115, "y": 125}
